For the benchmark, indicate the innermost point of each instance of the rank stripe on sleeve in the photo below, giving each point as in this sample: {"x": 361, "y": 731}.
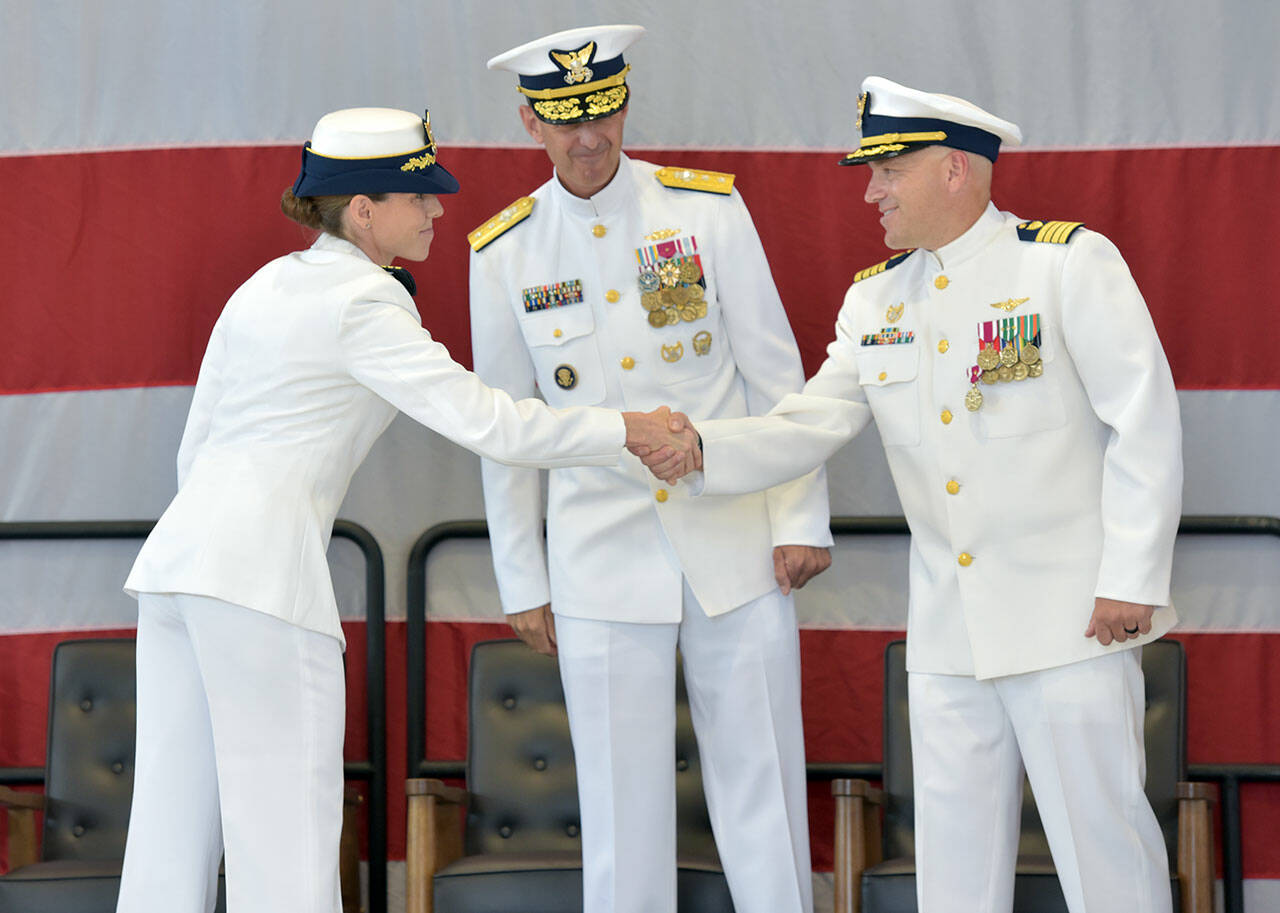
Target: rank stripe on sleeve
{"x": 689, "y": 179}
{"x": 1048, "y": 232}
{"x": 505, "y": 220}
{"x": 882, "y": 266}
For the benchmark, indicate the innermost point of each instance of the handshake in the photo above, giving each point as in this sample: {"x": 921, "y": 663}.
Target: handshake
{"x": 664, "y": 441}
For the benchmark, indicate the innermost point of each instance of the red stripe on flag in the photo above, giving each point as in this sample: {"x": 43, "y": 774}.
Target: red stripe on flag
{"x": 117, "y": 263}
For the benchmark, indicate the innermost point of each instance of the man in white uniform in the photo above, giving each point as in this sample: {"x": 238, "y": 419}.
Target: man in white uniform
{"x": 619, "y": 282}
{"x": 1031, "y": 425}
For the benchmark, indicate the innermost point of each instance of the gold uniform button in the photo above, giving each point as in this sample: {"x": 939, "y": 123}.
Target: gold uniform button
{"x": 884, "y": 375}
{"x": 953, "y": 487}
{"x": 965, "y": 559}
{"x": 943, "y": 345}
{"x": 661, "y": 495}
{"x": 558, "y": 333}
{"x": 599, "y": 231}
{"x": 628, "y": 363}
{"x": 612, "y": 295}
{"x": 946, "y": 416}
{"x": 940, "y": 283}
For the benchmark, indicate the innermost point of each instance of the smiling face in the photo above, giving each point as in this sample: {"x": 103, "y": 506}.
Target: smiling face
{"x": 400, "y": 225}
{"x": 913, "y": 194}
{"x": 585, "y": 154}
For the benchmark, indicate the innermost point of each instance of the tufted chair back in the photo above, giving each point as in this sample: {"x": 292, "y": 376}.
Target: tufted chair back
{"x": 524, "y": 792}
{"x": 522, "y": 849}
{"x": 890, "y": 886}
{"x": 89, "y": 773}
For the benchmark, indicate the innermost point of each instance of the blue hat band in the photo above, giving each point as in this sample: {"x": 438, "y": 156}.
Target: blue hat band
{"x": 558, "y": 79}
{"x": 884, "y": 136}
{"x": 415, "y": 172}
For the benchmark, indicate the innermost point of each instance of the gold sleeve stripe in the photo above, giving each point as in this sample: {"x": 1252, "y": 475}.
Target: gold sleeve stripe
{"x": 513, "y": 215}
{"x": 688, "y": 179}
{"x": 882, "y": 266}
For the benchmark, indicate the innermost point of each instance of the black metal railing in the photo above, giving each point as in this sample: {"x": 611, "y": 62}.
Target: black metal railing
{"x": 1229, "y": 777}
{"x": 373, "y": 768}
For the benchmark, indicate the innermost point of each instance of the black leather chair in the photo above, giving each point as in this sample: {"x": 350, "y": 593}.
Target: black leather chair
{"x": 520, "y": 850}
{"x": 88, "y": 791}
{"x": 865, "y": 883}
{"x": 88, "y": 788}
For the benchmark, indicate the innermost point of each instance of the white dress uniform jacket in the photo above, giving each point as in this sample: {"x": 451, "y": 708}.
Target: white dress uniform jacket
{"x": 305, "y": 368}
{"x": 1058, "y": 489}
{"x": 621, "y": 541}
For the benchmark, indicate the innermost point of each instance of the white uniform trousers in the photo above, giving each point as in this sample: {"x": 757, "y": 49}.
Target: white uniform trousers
{"x": 239, "y": 748}
{"x": 1078, "y": 730}
{"x": 742, "y": 672}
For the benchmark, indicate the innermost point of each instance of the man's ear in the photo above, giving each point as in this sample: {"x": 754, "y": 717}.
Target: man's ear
{"x": 957, "y": 169}
{"x": 532, "y": 125}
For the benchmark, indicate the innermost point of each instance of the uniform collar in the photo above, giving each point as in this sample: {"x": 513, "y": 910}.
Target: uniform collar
{"x": 978, "y": 235}
{"x": 338, "y": 245}
{"x": 612, "y": 197}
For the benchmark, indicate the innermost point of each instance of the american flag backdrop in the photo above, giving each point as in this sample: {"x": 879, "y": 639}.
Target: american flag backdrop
{"x": 144, "y": 146}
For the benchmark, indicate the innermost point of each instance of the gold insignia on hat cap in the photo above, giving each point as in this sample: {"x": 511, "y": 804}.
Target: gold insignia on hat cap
{"x": 894, "y": 119}
{"x": 574, "y": 75}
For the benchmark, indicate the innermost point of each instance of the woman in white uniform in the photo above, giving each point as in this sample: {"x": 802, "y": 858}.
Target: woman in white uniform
{"x": 240, "y": 681}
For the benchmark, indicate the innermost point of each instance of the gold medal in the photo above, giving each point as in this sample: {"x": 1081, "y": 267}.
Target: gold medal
{"x": 1020, "y": 371}
{"x": 688, "y": 313}
{"x": 973, "y": 399}
{"x": 1035, "y": 370}
{"x": 1008, "y": 356}
{"x": 988, "y": 358}
{"x": 989, "y": 377}
{"x": 680, "y": 296}
{"x": 651, "y": 301}
{"x": 669, "y": 273}
{"x": 672, "y": 314}
{"x": 690, "y": 271}
{"x": 702, "y": 308}
{"x": 657, "y": 318}
{"x": 696, "y": 293}
{"x": 566, "y": 377}
{"x": 1030, "y": 353}
{"x": 1004, "y": 374}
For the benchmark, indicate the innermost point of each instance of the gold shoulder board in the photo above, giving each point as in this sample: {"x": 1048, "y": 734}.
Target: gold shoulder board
{"x": 882, "y": 266}
{"x": 515, "y": 213}
{"x": 688, "y": 179}
{"x": 1047, "y": 232}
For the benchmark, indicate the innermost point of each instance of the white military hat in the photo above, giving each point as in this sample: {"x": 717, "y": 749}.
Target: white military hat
{"x": 895, "y": 119}
{"x": 574, "y": 75}
{"x": 372, "y": 150}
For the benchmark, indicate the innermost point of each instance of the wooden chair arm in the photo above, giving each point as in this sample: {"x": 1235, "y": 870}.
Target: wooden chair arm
{"x": 349, "y": 851}
{"x": 857, "y": 839}
{"x": 1195, "y": 845}
{"x": 434, "y": 837}
{"x": 22, "y": 808}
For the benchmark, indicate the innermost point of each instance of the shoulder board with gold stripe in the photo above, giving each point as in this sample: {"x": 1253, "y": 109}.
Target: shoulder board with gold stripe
{"x": 1048, "y": 232}
{"x": 688, "y": 179}
{"x": 882, "y": 266}
{"x": 511, "y": 216}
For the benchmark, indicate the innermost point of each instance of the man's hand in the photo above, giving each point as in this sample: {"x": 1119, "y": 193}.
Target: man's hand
{"x": 536, "y": 627}
{"x": 665, "y": 442}
{"x": 1118, "y": 621}
{"x": 796, "y": 565}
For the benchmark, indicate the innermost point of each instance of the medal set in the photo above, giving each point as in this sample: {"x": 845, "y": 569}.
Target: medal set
{"x": 673, "y": 290}
{"x": 1008, "y": 351}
